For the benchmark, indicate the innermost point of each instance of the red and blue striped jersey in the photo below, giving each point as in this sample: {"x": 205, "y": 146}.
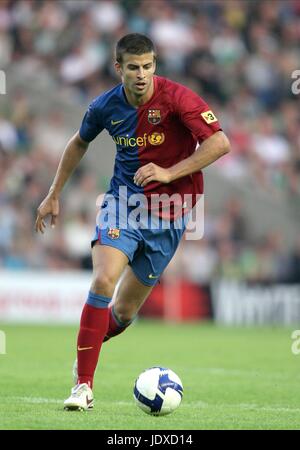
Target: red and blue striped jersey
{"x": 165, "y": 130}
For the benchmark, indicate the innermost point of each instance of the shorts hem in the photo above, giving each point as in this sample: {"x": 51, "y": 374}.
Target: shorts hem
{"x": 93, "y": 242}
{"x": 143, "y": 281}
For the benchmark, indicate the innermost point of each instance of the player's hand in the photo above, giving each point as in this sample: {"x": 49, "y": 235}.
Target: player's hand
{"x": 49, "y": 206}
{"x": 151, "y": 172}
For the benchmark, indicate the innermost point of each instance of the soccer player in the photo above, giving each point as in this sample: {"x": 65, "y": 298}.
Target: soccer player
{"x": 156, "y": 125}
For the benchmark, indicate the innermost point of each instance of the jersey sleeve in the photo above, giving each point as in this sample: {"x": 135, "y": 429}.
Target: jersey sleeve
{"x": 91, "y": 124}
{"x": 196, "y": 115}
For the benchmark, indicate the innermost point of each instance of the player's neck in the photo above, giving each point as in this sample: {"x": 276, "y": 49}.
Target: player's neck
{"x": 135, "y": 100}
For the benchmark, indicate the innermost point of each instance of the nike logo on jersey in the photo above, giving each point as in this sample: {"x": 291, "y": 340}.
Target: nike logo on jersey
{"x": 80, "y": 349}
{"x": 115, "y": 122}
{"x": 153, "y": 276}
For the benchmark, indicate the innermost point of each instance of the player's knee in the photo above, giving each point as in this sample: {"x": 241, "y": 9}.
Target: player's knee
{"x": 103, "y": 283}
{"x": 125, "y": 317}
{"x": 124, "y": 314}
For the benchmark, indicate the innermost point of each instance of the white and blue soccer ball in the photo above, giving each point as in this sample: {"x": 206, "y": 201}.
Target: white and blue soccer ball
{"x": 158, "y": 391}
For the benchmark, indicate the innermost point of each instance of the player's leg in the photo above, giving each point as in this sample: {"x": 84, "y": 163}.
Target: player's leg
{"x": 129, "y": 296}
{"x": 141, "y": 275}
{"x": 108, "y": 264}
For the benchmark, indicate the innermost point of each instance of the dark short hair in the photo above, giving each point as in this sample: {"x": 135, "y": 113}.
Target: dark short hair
{"x": 135, "y": 44}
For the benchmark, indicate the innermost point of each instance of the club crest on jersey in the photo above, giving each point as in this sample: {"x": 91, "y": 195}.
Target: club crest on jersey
{"x": 113, "y": 233}
{"x": 154, "y": 116}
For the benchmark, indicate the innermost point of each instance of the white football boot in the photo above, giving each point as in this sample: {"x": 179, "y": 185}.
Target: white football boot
{"x": 81, "y": 398}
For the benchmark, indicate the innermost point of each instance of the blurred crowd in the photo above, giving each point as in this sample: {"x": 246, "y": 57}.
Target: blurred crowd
{"x": 238, "y": 54}
{"x": 226, "y": 251}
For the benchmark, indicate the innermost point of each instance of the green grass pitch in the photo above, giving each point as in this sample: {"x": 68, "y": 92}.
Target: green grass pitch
{"x": 233, "y": 378}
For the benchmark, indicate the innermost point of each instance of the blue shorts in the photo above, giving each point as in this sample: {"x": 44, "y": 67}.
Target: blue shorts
{"x": 149, "y": 251}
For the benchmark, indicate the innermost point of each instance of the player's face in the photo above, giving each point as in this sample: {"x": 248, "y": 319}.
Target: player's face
{"x": 137, "y": 72}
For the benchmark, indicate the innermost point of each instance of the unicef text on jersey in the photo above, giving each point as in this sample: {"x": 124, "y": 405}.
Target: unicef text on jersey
{"x": 153, "y": 212}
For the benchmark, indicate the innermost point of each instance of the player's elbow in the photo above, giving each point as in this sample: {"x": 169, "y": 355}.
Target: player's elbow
{"x": 223, "y": 144}
{"x": 79, "y": 142}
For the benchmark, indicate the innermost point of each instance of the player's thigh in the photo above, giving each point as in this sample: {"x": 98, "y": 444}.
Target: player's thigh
{"x": 108, "y": 265}
{"x": 130, "y": 294}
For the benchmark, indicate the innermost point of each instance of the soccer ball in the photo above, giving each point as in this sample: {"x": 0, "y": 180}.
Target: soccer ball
{"x": 158, "y": 391}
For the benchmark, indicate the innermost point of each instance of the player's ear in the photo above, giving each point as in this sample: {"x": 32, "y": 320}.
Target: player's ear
{"x": 154, "y": 63}
{"x": 118, "y": 68}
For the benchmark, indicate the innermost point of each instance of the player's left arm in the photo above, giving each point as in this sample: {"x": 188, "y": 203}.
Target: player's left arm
{"x": 209, "y": 151}
{"x": 197, "y": 116}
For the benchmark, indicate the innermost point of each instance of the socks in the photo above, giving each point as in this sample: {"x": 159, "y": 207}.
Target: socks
{"x": 115, "y": 326}
{"x": 93, "y": 327}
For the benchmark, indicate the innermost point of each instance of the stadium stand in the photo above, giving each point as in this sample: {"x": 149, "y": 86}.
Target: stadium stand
{"x": 238, "y": 55}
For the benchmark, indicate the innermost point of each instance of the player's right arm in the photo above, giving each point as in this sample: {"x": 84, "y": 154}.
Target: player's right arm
{"x": 70, "y": 159}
